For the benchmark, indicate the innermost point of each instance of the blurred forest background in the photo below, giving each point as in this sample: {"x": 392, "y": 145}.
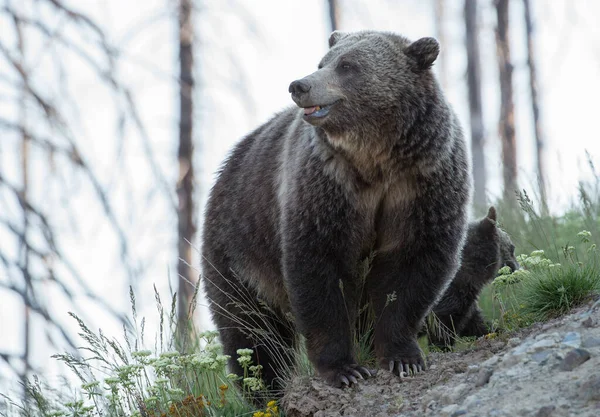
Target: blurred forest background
{"x": 115, "y": 115}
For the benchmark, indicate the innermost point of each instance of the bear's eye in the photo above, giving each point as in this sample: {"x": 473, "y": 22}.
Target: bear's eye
{"x": 345, "y": 66}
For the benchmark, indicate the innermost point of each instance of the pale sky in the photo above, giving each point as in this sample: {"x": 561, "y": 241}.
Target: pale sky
{"x": 245, "y": 66}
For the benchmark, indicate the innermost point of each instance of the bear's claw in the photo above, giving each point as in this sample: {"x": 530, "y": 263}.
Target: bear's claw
{"x": 350, "y": 375}
{"x": 406, "y": 367}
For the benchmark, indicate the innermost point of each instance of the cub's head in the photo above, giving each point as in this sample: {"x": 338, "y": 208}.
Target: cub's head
{"x": 365, "y": 80}
{"x": 489, "y": 247}
{"x": 507, "y": 251}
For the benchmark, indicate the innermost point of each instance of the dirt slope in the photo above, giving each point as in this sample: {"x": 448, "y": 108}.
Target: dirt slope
{"x": 548, "y": 370}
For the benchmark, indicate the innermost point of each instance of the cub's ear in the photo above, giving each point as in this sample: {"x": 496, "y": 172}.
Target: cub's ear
{"x": 335, "y": 36}
{"x": 487, "y": 225}
{"x": 422, "y": 53}
{"x": 492, "y": 213}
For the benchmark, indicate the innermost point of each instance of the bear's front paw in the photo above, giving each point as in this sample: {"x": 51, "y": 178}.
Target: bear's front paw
{"x": 347, "y": 375}
{"x": 405, "y": 361}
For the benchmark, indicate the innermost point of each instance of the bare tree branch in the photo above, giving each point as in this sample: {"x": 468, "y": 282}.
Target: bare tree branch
{"x": 41, "y": 311}
{"x": 41, "y": 110}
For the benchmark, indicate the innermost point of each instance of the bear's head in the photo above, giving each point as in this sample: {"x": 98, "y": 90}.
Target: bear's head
{"x": 489, "y": 247}
{"x": 507, "y": 251}
{"x": 366, "y": 80}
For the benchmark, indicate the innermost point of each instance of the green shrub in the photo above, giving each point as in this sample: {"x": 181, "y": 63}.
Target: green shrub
{"x": 546, "y": 289}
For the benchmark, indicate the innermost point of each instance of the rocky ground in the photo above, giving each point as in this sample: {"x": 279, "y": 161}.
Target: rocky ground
{"x": 548, "y": 370}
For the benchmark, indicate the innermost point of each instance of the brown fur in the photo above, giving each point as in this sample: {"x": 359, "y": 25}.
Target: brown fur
{"x": 303, "y": 199}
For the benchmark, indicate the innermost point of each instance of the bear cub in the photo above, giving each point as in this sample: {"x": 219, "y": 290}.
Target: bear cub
{"x": 372, "y": 158}
{"x": 487, "y": 249}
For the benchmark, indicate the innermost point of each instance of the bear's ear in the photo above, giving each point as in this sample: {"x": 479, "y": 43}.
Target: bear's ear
{"x": 492, "y": 213}
{"x": 423, "y": 53}
{"x": 487, "y": 225}
{"x": 335, "y": 36}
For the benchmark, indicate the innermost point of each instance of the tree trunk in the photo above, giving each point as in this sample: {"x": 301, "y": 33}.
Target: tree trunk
{"x": 185, "y": 185}
{"x": 475, "y": 102}
{"x": 24, "y": 244}
{"x": 334, "y": 14}
{"x": 440, "y": 34}
{"x": 507, "y": 116}
{"x": 539, "y": 134}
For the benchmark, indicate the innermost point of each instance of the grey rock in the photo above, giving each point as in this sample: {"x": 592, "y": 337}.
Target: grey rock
{"x": 545, "y": 411}
{"x": 514, "y": 341}
{"x": 572, "y": 339}
{"x": 542, "y": 357}
{"x": 491, "y": 361}
{"x": 448, "y": 410}
{"x": 454, "y": 395}
{"x": 350, "y": 411}
{"x": 511, "y": 360}
{"x": 590, "y": 389}
{"x": 473, "y": 369}
{"x": 483, "y": 377}
{"x": 516, "y": 371}
{"x": 322, "y": 413}
{"x": 590, "y": 342}
{"x": 543, "y": 344}
{"x": 472, "y": 401}
{"x": 588, "y": 323}
{"x": 458, "y": 413}
{"x": 573, "y": 359}
{"x": 431, "y": 405}
{"x": 521, "y": 349}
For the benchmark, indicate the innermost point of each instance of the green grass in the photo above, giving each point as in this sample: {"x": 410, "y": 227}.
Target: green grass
{"x": 544, "y": 291}
{"x": 562, "y": 268}
{"x": 555, "y": 292}
{"x": 124, "y": 378}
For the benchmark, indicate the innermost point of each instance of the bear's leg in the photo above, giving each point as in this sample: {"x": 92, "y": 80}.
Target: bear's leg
{"x": 321, "y": 255}
{"x": 403, "y": 285}
{"x": 325, "y": 307}
{"x": 475, "y": 324}
{"x": 243, "y": 322}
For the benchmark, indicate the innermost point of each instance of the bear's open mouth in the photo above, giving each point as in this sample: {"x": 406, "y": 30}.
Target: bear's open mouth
{"x": 318, "y": 111}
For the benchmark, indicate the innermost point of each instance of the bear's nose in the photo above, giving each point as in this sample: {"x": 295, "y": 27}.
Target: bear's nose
{"x": 299, "y": 87}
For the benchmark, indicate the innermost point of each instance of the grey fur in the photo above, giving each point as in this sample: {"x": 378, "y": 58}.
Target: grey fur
{"x": 303, "y": 199}
{"x": 487, "y": 249}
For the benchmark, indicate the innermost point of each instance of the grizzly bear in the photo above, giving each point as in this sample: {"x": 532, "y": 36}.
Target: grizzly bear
{"x": 487, "y": 249}
{"x": 372, "y": 159}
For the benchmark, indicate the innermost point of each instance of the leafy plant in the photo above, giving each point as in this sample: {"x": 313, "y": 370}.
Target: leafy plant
{"x": 124, "y": 379}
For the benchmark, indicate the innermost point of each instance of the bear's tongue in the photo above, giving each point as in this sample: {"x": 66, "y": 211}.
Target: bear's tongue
{"x": 310, "y": 110}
